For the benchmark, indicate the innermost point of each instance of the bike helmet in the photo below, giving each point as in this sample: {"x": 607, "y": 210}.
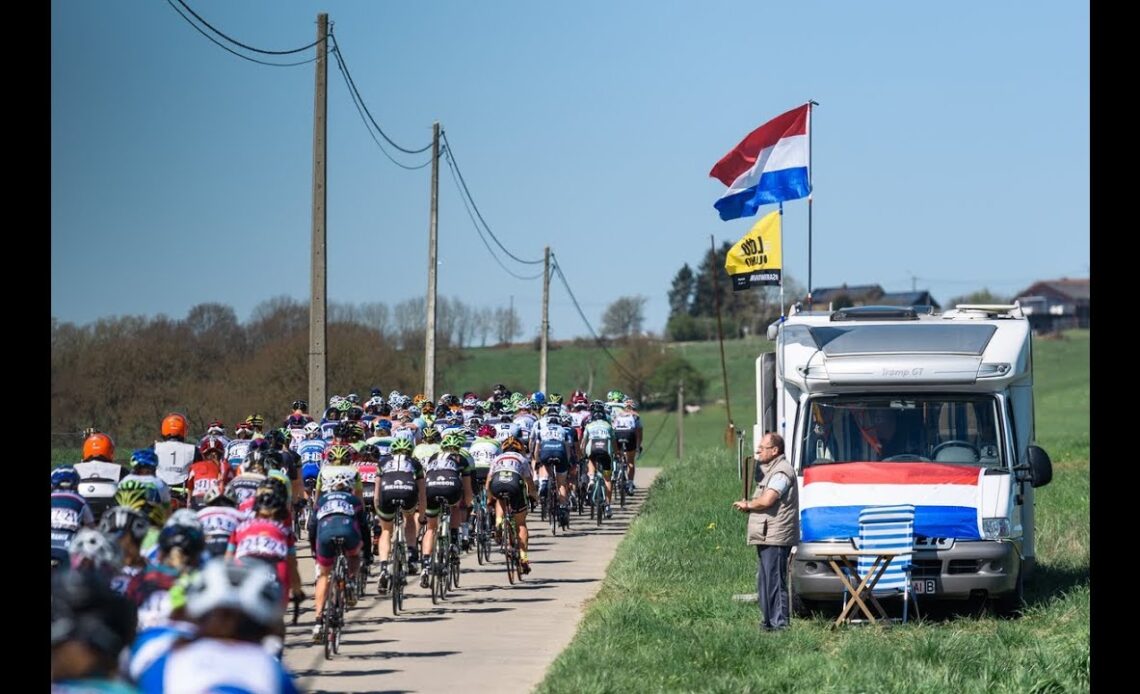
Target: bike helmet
{"x": 470, "y": 402}
{"x": 382, "y": 426}
{"x": 615, "y": 396}
{"x": 90, "y": 549}
{"x": 404, "y": 446}
{"x": 342, "y": 480}
{"x": 301, "y": 405}
{"x": 339, "y": 455}
{"x": 486, "y": 431}
{"x": 254, "y": 462}
{"x": 431, "y": 435}
{"x": 216, "y": 428}
{"x": 538, "y": 397}
{"x": 596, "y": 416}
{"x": 370, "y": 452}
{"x": 344, "y": 406}
{"x": 189, "y": 539}
{"x": 243, "y": 428}
{"x": 256, "y": 421}
{"x": 186, "y": 517}
{"x": 211, "y": 444}
{"x": 87, "y": 610}
{"x": 98, "y": 446}
{"x": 174, "y": 425}
{"x": 354, "y": 413}
{"x": 270, "y": 497}
{"x": 555, "y": 398}
{"x": 215, "y": 497}
{"x": 142, "y": 497}
{"x": 123, "y": 520}
{"x": 353, "y": 398}
{"x": 513, "y": 445}
{"x": 64, "y": 477}
{"x": 251, "y": 590}
{"x": 144, "y": 457}
{"x": 453, "y": 441}
{"x": 312, "y": 430}
{"x": 276, "y": 438}
{"x": 473, "y": 424}
{"x": 567, "y": 420}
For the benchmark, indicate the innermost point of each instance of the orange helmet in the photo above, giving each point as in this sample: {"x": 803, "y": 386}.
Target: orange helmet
{"x": 98, "y": 446}
{"x": 174, "y": 425}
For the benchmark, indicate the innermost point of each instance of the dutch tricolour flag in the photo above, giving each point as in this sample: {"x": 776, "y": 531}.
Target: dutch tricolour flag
{"x": 768, "y": 166}
{"x": 947, "y": 499}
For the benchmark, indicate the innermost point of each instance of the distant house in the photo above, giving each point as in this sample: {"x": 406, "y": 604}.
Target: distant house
{"x": 1053, "y": 305}
{"x": 869, "y": 295}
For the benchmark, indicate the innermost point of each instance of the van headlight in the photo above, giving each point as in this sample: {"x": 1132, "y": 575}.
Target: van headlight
{"x": 995, "y": 528}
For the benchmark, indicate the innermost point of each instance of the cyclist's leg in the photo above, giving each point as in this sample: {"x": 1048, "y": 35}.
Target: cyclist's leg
{"x": 323, "y": 554}
{"x": 384, "y": 552}
{"x": 428, "y": 544}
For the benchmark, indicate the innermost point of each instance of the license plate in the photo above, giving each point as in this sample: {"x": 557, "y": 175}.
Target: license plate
{"x": 924, "y": 586}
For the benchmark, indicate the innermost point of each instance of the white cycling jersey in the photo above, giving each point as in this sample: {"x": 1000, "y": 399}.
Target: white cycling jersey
{"x": 174, "y": 459}
{"x": 511, "y": 462}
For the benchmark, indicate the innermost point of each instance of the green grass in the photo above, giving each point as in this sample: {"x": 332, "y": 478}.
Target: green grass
{"x": 664, "y": 619}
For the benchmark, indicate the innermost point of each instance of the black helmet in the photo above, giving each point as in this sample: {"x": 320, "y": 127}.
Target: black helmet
{"x": 85, "y": 608}
{"x": 301, "y": 405}
{"x": 270, "y": 496}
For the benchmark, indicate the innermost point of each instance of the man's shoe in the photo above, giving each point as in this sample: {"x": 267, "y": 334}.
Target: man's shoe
{"x": 383, "y": 583}
{"x": 425, "y": 580}
{"x": 317, "y": 635}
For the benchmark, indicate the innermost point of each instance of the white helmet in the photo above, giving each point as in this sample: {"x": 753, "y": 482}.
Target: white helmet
{"x": 342, "y": 479}
{"x": 184, "y": 517}
{"x": 90, "y": 548}
{"x": 312, "y": 430}
{"x": 252, "y": 590}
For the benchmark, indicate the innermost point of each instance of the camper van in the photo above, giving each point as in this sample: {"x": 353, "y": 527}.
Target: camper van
{"x": 882, "y": 405}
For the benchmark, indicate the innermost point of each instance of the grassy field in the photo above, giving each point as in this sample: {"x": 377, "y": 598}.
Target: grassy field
{"x": 665, "y": 621}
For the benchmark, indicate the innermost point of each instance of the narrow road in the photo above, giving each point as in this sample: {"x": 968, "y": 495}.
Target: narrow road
{"x": 488, "y": 636}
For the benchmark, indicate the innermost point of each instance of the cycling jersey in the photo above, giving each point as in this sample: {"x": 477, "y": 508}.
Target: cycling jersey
{"x": 425, "y": 451}
{"x": 444, "y": 473}
{"x": 236, "y": 451}
{"x": 162, "y": 487}
{"x": 511, "y": 462}
{"x": 245, "y": 486}
{"x": 503, "y": 429}
{"x": 508, "y": 473}
{"x": 312, "y": 452}
{"x": 174, "y": 459}
{"x": 338, "y": 514}
{"x": 266, "y": 540}
{"x": 217, "y": 665}
{"x": 218, "y": 523}
{"x": 369, "y": 472}
{"x": 383, "y": 444}
{"x": 398, "y": 483}
{"x": 69, "y": 513}
{"x": 150, "y": 592}
{"x": 328, "y": 429}
{"x": 206, "y": 475}
{"x": 599, "y": 441}
{"x": 524, "y": 423}
{"x": 483, "y": 452}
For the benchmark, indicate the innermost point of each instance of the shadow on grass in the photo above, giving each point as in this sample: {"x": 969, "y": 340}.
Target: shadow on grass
{"x": 1049, "y": 581}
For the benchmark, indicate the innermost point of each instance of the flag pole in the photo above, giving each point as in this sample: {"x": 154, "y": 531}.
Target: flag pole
{"x": 811, "y": 191}
{"x": 782, "y": 315}
{"x": 720, "y": 337}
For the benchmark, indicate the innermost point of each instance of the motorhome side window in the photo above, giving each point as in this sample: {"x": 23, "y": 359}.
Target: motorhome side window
{"x": 948, "y": 429}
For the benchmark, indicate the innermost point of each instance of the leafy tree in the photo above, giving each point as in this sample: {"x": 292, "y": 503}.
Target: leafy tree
{"x": 624, "y": 317}
{"x": 681, "y": 292}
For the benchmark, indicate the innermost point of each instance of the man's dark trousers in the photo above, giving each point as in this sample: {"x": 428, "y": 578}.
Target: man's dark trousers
{"x": 772, "y": 585}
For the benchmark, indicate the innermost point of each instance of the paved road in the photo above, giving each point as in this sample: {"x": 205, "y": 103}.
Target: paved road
{"x": 488, "y": 636}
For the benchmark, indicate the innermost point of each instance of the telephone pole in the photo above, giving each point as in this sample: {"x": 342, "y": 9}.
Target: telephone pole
{"x": 318, "y": 291}
{"x": 429, "y": 334}
{"x": 545, "y": 318}
{"x": 681, "y": 419}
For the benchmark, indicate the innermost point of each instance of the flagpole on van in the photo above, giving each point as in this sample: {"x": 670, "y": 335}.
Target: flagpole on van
{"x": 811, "y": 192}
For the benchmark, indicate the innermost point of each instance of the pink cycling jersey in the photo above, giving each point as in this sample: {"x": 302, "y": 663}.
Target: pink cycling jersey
{"x": 269, "y": 541}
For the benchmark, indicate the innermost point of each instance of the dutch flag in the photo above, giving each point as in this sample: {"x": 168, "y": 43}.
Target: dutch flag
{"x": 770, "y": 165}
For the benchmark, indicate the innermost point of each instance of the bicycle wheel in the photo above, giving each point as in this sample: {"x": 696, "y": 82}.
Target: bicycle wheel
{"x": 621, "y": 491}
{"x": 509, "y": 551}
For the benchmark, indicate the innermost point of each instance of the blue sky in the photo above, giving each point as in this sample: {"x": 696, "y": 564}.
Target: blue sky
{"x": 951, "y": 145}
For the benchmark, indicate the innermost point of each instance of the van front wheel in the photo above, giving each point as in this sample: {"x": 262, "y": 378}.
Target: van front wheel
{"x": 1011, "y": 605}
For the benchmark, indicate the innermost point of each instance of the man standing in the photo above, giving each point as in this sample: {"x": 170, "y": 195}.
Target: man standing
{"x": 774, "y": 527}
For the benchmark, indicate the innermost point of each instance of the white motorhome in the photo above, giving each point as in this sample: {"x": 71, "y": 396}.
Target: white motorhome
{"x": 884, "y": 405}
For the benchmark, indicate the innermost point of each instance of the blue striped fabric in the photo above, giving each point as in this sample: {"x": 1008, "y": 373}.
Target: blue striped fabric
{"x": 887, "y": 528}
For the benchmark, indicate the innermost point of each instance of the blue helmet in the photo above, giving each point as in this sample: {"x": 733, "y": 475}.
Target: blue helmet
{"x": 144, "y": 457}
{"x": 539, "y": 398}
{"x": 64, "y": 477}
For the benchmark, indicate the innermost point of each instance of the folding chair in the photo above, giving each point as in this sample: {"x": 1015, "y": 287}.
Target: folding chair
{"x": 888, "y": 529}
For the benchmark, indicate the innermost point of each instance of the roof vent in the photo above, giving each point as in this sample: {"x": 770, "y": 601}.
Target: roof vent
{"x": 875, "y": 313}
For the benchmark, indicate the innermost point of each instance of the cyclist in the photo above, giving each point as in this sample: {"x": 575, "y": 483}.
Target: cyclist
{"x": 257, "y": 422}
{"x": 368, "y": 467}
{"x": 238, "y": 448}
{"x": 524, "y": 420}
{"x": 266, "y": 538}
{"x": 448, "y": 475}
{"x": 299, "y": 417}
{"x": 598, "y": 449}
{"x": 91, "y": 550}
{"x": 234, "y": 607}
{"x": 339, "y": 513}
{"x": 180, "y": 552}
{"x": 289, "y": 462}
{"x": 211, "y": 472}
{"x": 125, "y": 528}
{"x": 69, "y": 512}
{"x": 252, "y": 474}
{"x": 219, "y": 517}
{"x": 549, "y": 448}
{"x": 144, "y": 465}
{"x": 90, "y": 626}
{"x": 218, "y": 430}
{"x": 627, "y": 425}
{"x": 98, "y": 473}
{"x": 401, "y": 479}
{"x": 174, "y": 454}
{"x": 312, "y": 452}
{"x": 510, "y": 472}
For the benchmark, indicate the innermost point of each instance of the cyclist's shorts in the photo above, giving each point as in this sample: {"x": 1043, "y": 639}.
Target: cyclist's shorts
{"x": 445, "y": 483}
{"x": 216, "y": 545}
{"x": 369, "y": 492}
{"x": 602, "y": 460}
{"x": 478, "y": 478}
{"x": 310, "y": 471}
{"x": 626, "y": 439}
{"x": 508, "y": 485}
{"x": 397, "y": 486}
{"x": 557, "y": 460}
{"x": 333, "y": 526}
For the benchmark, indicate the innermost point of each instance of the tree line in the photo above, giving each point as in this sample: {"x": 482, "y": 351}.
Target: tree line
{"x": 122, "y": 374}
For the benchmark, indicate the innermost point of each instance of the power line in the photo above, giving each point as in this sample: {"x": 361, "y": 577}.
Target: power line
{"x": 598, "y": 340}
{"x": 355, "y": 102}
{"x": 352, "y": 86}
{"x": 451, "y": 156}
{"x": 239, "y": 43}
{"x": 230, "y": 50}
{"x": 490, "y": 250}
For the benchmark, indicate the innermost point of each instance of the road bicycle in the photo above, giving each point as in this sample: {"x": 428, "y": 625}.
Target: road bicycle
{"x": 398, "y": 560}
{"x": 444, "y": 556}
{"x": 620, "y": 479}
{"x": 510, "y": 542}
{"x": 332, "y": 617}
{"x": 598, "y": 499}
{"x": 482, "y": 525}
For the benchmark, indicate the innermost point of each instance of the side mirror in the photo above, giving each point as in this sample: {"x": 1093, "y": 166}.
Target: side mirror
{"x": 1040, "y": 467}
{"x": 773, "y": 331}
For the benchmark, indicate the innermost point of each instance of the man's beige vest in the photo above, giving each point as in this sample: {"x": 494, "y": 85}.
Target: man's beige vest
{"x": 780, "y": 524}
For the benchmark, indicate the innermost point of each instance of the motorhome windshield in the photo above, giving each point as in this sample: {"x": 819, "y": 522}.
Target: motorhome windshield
{"x": 952, "y": 429}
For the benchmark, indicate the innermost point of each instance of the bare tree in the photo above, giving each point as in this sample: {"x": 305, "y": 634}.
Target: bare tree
{"x": 624, "y": 317}
{"x": 507, "y": 325}
{"x": 374, "y": 314}
{"x": 411, "y": 322}
{"x": 484, "y": 320}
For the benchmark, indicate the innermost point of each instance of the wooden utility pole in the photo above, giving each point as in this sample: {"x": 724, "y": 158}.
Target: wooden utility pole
{"x": 545, "y": 318}
{"x": 681, "y": 419}
{"x": 318, "y": 291}
{"x": 429, "y": 334}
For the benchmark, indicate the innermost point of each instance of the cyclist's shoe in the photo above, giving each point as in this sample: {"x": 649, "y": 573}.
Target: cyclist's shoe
{"x": 425, "y": 580}
{"x": 524, "y": 567}
{"x": 564, "y": 515}
{"x": 629, "y": 488}
{"x": 465, "y": 544}
{"x": 318, "y": 636}
{"x": 609, "y": 512}
{"x": 413, "y": 566}
{"x": 590, "y": 492}
{"x": 383, "y": 583}
{"x": 350, "y": 594}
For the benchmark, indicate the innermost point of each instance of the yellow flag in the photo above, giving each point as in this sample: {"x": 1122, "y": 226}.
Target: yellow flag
{"x": 755, "y": 259}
